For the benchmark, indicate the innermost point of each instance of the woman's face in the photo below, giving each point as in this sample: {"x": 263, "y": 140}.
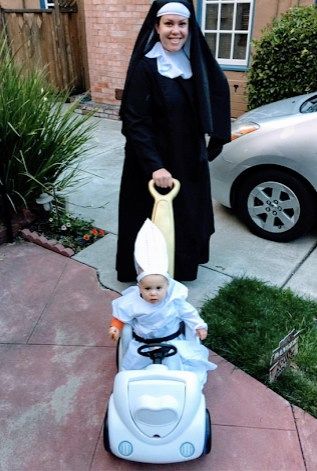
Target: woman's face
{"x": 173, "y": 32}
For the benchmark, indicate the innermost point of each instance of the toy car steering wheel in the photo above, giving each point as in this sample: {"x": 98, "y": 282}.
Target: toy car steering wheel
{"x": 157, "y": 351}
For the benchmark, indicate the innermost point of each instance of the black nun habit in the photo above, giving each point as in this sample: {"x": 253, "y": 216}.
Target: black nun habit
{"x": 165, "y": 121}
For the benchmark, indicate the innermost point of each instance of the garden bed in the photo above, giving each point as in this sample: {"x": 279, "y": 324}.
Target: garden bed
{"x": 69, "y": 231}
{"x": 58, "y": 231}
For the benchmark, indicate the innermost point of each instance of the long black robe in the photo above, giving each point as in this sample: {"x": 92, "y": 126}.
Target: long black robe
{"x": 162, "y": 130}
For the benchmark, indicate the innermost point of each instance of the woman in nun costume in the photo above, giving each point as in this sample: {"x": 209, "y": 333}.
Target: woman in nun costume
{"x": 157, "y": 311}
{"x": 175, "y": 94}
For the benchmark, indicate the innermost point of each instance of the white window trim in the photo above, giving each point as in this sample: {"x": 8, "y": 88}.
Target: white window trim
{"x": 229, "y": 61}
{"x": 49, "y": 4}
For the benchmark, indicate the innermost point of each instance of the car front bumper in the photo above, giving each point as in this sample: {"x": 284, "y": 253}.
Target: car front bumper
{"x": 130, "y": 445}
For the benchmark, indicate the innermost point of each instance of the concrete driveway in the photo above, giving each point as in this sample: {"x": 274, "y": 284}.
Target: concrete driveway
{"x": 234, "y": 250}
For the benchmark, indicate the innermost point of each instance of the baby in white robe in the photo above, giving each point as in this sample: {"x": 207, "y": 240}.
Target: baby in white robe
{"x": 155, "y": 309}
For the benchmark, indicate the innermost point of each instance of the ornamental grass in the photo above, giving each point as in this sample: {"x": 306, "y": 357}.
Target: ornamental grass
{"x": 41, "y": 141}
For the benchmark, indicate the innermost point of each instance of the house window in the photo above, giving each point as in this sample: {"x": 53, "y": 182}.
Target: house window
{"x": 47, "y": 4}
{"x": 226, "y": 25}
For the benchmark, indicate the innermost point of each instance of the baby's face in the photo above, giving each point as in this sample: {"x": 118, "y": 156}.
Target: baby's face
{"x": 153, "y": 288}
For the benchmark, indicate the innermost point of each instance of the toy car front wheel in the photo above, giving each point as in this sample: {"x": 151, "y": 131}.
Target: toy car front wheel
{"x": 208, "y": 434}
{"x": 118, "y": 353}
{"x": 106, "y": 442}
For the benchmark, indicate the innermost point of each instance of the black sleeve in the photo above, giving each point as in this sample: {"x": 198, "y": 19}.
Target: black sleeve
{"x": 214, "y": 148}
{"x": 137, "y": 119}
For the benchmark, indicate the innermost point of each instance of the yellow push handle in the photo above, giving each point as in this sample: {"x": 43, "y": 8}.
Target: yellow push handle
{"x": 163, "y": 218}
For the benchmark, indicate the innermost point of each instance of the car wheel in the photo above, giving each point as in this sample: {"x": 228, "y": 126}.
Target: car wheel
{"x": 208, "y": 435}
{"x": 275, "y": 205}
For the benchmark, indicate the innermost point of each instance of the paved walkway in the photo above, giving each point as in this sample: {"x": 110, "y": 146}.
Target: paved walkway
{"x": 56, "y": 374}
{"x": 57, "y": 365}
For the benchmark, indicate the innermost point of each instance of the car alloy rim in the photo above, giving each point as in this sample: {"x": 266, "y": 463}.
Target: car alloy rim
{"x": 273, "y": 207}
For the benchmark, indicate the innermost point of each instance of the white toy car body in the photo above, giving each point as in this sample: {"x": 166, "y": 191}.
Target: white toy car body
{"x": 157, "y": 415}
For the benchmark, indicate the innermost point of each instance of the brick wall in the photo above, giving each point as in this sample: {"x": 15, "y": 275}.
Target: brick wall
{"x": 111, "y": 27}
{"x": 237, "y": 85}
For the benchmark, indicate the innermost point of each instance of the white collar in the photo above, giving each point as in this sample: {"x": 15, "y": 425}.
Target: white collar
{"x": 170, "y": 64}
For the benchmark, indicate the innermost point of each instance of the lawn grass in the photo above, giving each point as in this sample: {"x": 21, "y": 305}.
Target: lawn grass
{"x": 247, "y": 320}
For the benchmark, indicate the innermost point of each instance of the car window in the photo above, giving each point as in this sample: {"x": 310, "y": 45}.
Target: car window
{"x": 310, "y": 105}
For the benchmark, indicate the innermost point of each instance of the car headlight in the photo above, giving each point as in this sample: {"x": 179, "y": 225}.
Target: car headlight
{"x": 242, "y": 129}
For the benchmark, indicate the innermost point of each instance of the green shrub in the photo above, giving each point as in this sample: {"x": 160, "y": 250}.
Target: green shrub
{"x": 284, "y": 60}
{"x": 40, "y": 141}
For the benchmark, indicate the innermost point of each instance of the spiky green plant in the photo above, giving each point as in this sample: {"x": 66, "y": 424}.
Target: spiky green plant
{"x": 41, "y": 142}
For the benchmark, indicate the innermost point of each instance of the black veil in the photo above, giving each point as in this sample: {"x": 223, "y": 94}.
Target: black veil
{"x": 211, "y": 86}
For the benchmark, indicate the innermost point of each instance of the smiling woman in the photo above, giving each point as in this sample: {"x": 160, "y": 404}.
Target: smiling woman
{"x": 173, "y": 32}
{"x": 174, "y": 94}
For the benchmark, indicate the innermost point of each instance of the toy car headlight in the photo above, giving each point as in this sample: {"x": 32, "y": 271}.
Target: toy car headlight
{"x": 125, "y": 448}
{"x": 242, "y": 129}
{"x": 187, "y": 449}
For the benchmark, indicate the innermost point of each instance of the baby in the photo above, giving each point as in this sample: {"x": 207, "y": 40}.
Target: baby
{"x": 153, "y": 289}
{"x": 157, "y": 310}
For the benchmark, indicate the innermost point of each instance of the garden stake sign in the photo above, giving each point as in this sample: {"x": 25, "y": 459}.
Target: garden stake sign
{"x": 282, "y": 355}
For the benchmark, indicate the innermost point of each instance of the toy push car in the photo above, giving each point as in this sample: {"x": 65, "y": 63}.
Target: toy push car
{"x": 157, "y": 415}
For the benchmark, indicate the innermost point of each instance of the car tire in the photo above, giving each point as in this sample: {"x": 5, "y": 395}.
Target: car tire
{"x": 275, "y": 205}
{"x": 208, "y": 434}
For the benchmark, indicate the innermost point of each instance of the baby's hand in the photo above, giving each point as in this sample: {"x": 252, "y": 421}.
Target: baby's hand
{"x": 201, "y": 333}
{"x": 114, "y": 333}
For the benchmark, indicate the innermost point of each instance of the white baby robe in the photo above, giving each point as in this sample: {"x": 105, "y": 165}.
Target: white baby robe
{"x": 159, "y": 320}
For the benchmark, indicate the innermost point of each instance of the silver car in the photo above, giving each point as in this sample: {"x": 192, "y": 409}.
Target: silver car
{"x": 268, "y": 172}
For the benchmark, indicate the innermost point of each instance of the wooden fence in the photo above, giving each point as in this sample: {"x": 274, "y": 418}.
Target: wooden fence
{"x": 47, "y": 39}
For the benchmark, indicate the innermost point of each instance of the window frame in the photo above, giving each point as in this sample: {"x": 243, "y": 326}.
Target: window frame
{"x": 47, "y": 4}
{"x": 229, "y": 63}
